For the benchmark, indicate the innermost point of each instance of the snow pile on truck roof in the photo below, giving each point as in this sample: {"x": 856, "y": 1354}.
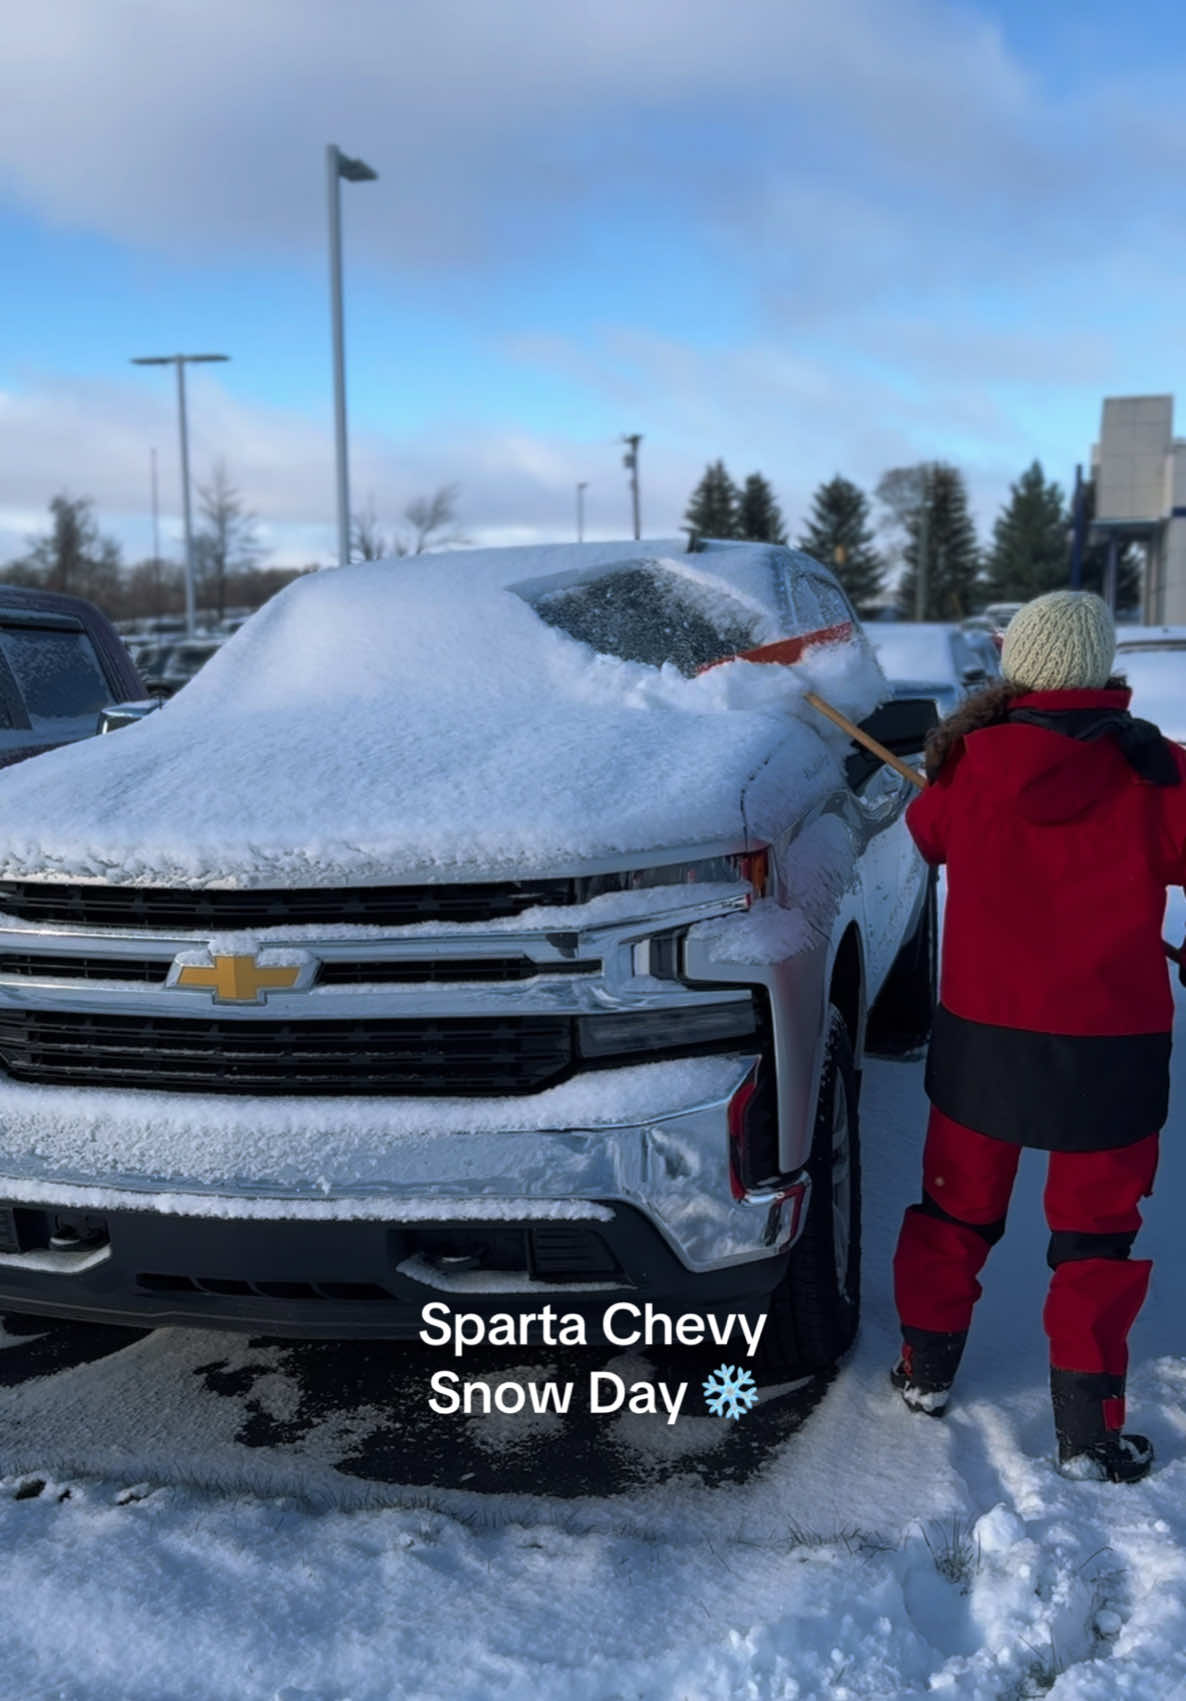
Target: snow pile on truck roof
{"x": 420, "y": 720}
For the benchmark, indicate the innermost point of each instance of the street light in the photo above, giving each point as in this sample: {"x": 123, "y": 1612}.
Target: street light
{"x": 630, "y": 462}
{"x": 354, "y": 171}
{"x": 180, "y": 361}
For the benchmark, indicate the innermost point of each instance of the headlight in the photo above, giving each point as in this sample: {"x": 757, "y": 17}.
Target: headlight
{"x": 748, "y": 866}
{"x": 629, "y": 1031}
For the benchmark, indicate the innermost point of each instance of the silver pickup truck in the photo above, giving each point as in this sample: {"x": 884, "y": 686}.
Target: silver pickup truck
{"x": 498, "y": 928}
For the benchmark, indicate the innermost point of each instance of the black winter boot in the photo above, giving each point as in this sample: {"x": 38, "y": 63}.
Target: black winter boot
{"x": 1089, "y": 1424}
{"x": 924, "y": 1373}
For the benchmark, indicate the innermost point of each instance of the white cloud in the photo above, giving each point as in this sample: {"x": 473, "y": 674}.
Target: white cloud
{"x": 190, "y": 126}
{"x": 796, "y": 419}
{"x": 930, "y": 238}
{"x": 94, "y": 439}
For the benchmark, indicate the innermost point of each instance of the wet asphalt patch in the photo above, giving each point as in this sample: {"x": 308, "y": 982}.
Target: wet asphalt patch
{"x": 579, "y": 1453}
{"x": 44, "y": 1347}
{"x": 362, "y": 1408}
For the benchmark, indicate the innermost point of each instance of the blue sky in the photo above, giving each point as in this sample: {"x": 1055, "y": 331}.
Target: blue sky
{"x": 806, "y": 238}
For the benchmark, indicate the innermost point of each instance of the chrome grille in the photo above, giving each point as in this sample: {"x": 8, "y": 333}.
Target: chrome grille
{"x": 333, "y": 971}
{"x": 460, "y": 1057}
{"x": 164, "y": 908}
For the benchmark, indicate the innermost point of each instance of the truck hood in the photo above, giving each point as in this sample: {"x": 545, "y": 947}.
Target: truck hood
{"x": 416, "y": 722}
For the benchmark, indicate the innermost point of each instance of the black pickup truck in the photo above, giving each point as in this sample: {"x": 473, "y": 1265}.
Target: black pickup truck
{"x": 61, "y": 664}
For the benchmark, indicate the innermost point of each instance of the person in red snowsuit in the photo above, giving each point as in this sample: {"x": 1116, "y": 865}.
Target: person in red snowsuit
{"x": 1061, "y": 821}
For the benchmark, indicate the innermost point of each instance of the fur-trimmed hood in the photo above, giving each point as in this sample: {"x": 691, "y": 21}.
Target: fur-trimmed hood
{"x": 984, "y": 708}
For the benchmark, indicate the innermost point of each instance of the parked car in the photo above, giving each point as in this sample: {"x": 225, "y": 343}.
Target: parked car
{"x": 931, "y": 659}
{"x": 478, "y": 935}
{"x": 1153, "y": 660}
{"x": 61, "y": 664}
{"x": 1001, "y": 613}
{"x": 181, "y": 660}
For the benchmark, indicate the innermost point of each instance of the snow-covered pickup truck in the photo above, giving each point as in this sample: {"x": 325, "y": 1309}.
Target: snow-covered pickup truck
{"x": 496, "y": 929}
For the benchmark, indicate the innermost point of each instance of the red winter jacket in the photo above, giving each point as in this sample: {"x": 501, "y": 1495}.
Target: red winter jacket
{"x": 1055, "y": 1003}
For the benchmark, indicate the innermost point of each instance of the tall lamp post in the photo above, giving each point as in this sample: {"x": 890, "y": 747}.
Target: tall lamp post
{"x": 180, "y": 361}
{"x": 630, "y": 462}
{"x": 338, "y": 165}
{"x": 921, "y": 585}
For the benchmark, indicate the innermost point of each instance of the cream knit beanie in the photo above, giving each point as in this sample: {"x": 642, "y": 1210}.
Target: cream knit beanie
{"x": 1064, "y": 641}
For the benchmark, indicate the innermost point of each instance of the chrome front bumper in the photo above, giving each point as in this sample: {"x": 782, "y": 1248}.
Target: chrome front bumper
{"x": 674, "y": 1169}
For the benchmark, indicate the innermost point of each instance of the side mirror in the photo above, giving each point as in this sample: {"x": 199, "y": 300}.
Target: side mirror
{"x": 902, "y": 724}
{"x": 117, "y": 715}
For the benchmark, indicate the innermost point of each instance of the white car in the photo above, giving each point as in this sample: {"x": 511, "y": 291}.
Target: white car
{"x": 934, "y": 659}
{"x": 481, "y": 930}
{"x": 1001, "y": 613}
{"x": 1153, "y": 660}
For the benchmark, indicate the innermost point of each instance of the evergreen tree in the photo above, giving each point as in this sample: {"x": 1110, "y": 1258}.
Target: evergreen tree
{"x": 1030, "y": 552}
{"x": 952, "y": 554}
{"x": 713, "y": 507}
{"x": 759, "y": 518}
{"x": 839, "y": 534}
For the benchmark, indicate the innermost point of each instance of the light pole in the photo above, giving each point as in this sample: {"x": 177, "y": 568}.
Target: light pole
{"x": 921, "y": 587}
{"x": 156, "y": 541}
{"x": 354, "y": 171}
{"x": 1078, "y": 529}
{"x": 630, "y": 462}
{"x": 180, "y": 361}
{"x": 581, "y": 489}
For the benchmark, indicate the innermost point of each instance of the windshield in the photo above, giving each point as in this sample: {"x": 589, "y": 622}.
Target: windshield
{"x": 642, "y": 611}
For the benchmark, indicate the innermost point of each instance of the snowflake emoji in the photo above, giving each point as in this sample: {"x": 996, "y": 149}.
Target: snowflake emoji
{"x": 730, "y": 1391}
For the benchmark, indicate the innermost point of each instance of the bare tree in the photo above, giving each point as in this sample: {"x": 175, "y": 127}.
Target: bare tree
{"x": 432, "y": 521}
{"x": 228, "y": 540}
{"x": 367, "y": 541}
{"x": 902, "y": 493}
{"x": 153, "y": 587}
{"x": 72, "y": 555}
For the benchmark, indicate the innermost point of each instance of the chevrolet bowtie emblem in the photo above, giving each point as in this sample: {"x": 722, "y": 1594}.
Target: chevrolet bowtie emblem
{"x": 238, "y": 980}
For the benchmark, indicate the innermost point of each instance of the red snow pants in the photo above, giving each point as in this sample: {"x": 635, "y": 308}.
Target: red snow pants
{"x": 1091, "y": 1203}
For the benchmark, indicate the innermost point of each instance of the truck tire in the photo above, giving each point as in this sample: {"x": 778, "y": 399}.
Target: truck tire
{"x": 900, "y": 1021}
{"x": 814, "y": 1310}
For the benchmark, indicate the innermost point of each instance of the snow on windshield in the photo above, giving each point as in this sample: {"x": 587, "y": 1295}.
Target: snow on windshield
{"x": 403, "y": 721}
{"x": 652, "y": 612}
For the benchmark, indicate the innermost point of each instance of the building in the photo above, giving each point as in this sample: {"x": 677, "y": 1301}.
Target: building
{"x": 1140, "y": 497}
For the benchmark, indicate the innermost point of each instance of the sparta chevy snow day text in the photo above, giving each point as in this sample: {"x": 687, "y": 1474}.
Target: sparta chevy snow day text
{"x": 623, "y": 1324}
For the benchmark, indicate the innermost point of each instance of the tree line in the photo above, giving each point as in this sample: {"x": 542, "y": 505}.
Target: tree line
{"x": 72, "y": 555}
{"x": 923, "y": 516}
{"x": 924, "y": 519}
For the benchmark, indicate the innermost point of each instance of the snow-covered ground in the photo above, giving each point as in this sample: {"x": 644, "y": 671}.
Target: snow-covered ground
{"x": 874, "y": 1553}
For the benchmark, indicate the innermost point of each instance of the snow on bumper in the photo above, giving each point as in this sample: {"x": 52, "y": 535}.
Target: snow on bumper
{"x": 654, "y": 1137}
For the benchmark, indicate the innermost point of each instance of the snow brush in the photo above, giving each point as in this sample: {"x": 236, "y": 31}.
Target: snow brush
{"x": 912, "y": 774}
{"x": 870, "y": 743}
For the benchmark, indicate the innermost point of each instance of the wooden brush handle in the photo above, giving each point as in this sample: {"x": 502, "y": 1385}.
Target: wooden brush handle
{"x": 862, "y": 737}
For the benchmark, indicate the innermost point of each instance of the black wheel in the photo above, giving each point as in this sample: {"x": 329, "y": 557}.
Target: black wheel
{"x": 900, "y": 1021}
{"x": 815, "y": 1309}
